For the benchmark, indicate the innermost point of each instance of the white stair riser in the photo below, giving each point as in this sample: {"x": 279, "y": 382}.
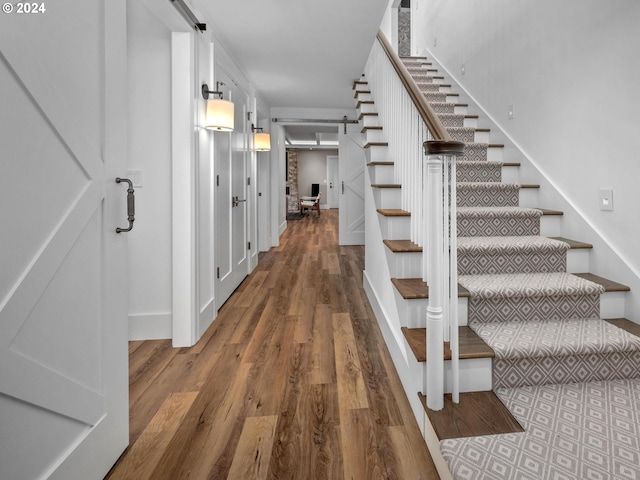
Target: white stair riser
{"x": 414, "y": 312}
{"x": 451, "y": 98}
{"x": 529, "y": 197}
{"x": 481, "y": 137}
{"x": 366, "y": 108}
{"x": 550, "y": 225}
{"x": 475, "y": 375}
{"x": 494, "y": 154}
{"x": 395, "y": 228}
{"x": 404, "y": 265}
{"x": 460, "y": 110}
{"x": 612, "y": 305}
{"x": 578, "y": 260}
{"x": 510, "y": 174}
{"x": 363, "y": 97}
{"x": 387, "y": 197}
{"x": 470, "y": 122}
{"x": 371, "y": 135}
{"x": 369, "y": 121}
{"x": 377, "y": 153}
{"x": 381, "y": 174}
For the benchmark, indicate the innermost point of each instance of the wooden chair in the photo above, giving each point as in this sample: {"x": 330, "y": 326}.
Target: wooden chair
{"x": 307, "y": 203}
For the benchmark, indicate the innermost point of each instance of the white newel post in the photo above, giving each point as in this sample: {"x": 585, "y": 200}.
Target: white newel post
{"x": 442, "y": 267}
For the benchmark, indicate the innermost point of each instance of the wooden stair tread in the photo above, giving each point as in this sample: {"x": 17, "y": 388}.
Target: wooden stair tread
{"x": 365, "y": 114}
{"x": 470, "y": 344}
{"x": 415, "y": 288}
{"x": 609, "y": 285}
{"x": 477, "y": 414}
{"x": 364, "y": 102}
{"x": 364, "y": 92}
{"x": 376, "y": 144}
{"x": 495, "y": 145}
{"x": 373, "y": 164}
{"x": 529, "y": 185}
{"x": 625, "y": 324}
{"x": 364, "y": 129}
{"x": 393, "y": 212}
{"x": 402, "y": 246}
{"x": 546, "y": 211}
{"x": 386, "y": 185}
{"x": 574, "y": 244}
{"x": 359, "y": 83}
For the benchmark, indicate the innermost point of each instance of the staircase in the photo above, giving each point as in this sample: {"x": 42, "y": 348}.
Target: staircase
{"x": 532, "y": 325}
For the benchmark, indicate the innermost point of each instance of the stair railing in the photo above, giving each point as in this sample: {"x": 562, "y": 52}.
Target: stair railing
{"x": 429, "y": 193}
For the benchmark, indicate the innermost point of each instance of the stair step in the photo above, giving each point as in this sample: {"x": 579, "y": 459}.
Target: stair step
{"x": 393, "y": 212}
{"x": 380, "y": 164}
{"x": 560, "y": 351}
{"x": 608, "y": 285}
{"x": 376, "y": 144}
{"x": 478, "y": 171}
{"x": 498, "y": 221}
{"x": 359, "y": 84}
{"x": 530, "y": 296}
{"x": 415, "y": 288}
{"x": 504, "y": 255}
{"x": 364, "y": 115}
{"x": 489, "y": 194}
{"x": 402, "y": 246}
{"x": 470, "y": 344}
{"x": 477, "y": 414}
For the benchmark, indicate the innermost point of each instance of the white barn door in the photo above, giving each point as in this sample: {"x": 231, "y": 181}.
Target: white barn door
{"x": 63, "y": 280}
{"x": 351, "y": 165}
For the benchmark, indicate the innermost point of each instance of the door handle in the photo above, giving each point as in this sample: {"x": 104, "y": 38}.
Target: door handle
{"x": 131, "y": 205}
{"x": 235, "y": 202}
{"x": 343, "y": 187}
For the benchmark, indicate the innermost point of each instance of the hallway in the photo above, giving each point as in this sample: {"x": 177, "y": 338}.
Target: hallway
{"x": 292, "y": 380}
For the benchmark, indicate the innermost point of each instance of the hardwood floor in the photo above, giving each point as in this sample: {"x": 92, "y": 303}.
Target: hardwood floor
{"x": 292, "y": 381}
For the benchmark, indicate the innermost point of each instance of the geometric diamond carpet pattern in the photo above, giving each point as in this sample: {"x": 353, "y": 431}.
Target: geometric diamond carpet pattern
{"x": 572, "y": 431}
{"x": 497, "y": 222}
{"x": 510, "y": 254}
{"x": 560, "y": 351}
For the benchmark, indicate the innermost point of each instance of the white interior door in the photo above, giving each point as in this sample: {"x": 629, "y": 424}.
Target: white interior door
{"x": 351, "y": 166}
{"x": 231, "y": 158}
{"x": 333, "y": 178}
{"x": 63, "y": 281}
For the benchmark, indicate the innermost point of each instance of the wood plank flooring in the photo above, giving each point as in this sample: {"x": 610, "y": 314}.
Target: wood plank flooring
{"x": 292, "y": 381}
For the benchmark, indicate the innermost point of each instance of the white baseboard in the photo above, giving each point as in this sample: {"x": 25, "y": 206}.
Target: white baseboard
{"x": 155, "y": 326}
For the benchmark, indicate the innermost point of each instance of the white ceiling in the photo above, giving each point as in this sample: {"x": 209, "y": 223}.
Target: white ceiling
{"x": 298, "y": 53}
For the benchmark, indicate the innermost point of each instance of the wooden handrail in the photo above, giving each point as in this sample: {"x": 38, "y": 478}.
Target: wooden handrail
{"x": 429, "y": 117}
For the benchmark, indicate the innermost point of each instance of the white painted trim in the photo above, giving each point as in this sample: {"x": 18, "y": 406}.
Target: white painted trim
{"x": 282, "y": 227}
{"x": 152, "y": 326}
{"x": 184, "y": 286}
{"x": 380, "y": 311}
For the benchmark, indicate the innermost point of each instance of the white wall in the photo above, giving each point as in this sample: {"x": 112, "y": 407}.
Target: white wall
{"x": 569, "y": 70}
{"x": 149, "y": 50}
{"x": 312, "y": 168}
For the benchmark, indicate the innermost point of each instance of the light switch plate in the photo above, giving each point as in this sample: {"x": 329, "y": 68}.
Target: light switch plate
{"x": 606, "y": 199}
{"x": 510, "y": 111}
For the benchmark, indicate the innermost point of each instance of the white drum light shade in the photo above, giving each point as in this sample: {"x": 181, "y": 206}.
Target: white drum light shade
{"x": 261, "y": 142}
{"x": 219, "y": 116}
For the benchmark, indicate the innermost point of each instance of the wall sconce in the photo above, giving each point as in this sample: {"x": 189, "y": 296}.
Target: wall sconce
{"x": 219, "y": 116}
{"x": 261, "y": 141}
